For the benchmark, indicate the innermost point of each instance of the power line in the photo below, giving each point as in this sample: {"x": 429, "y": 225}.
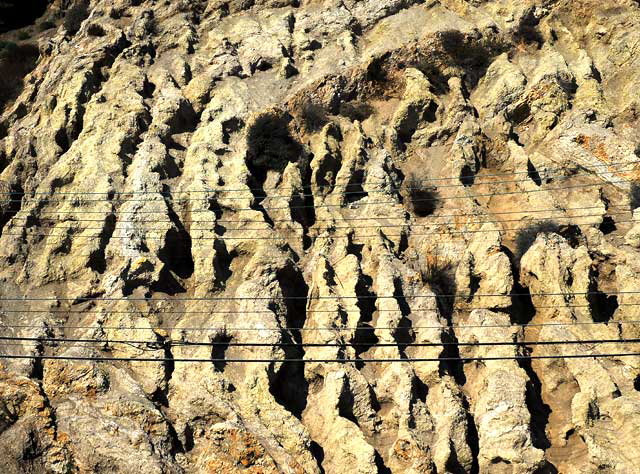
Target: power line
{"x": 342, "y": 183}
{"x": 327, "y": 328}
{"x": 290, "y": 207}
{"x": 330, "y": 236}
{"x": 268, "y": 228}
{"x": 341, "y": 218}
{"x": 248, "y": 312}
{"x": 278, "y": 238}
{"x": 86, "y": 299}
{"x": 162, "y": 344}
{"x": 327, "y": 361}
{"x": 343, "y": 193}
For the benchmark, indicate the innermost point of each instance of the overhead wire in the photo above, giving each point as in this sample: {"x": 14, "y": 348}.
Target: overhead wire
{"x": 158, "y": 345}
{"x": 250, "y": 312}
{"x": 224, "y": 328}
{"x": 368, "y": 203}
{"x": 268, "y": 228}
{"x": 347, "y": 182}
{"x": 341, "y": 218}
{"x": 335, "y": 360}
{"x": 86, "y": 299}
{"x": 454, "y": 197}
{"x": 364, "y": 327}
{"x": 315, "y": 237}
{"x": 26, "y": 199}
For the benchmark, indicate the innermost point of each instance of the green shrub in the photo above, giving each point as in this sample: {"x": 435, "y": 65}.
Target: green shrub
{"x": 24, "y": 35}
{"x": 74, "y": 17}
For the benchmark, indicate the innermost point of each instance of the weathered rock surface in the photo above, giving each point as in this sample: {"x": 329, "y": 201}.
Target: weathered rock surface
{"x": 321, "y": 187}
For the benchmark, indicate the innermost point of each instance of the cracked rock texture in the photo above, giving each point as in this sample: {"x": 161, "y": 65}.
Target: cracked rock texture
{"x": 329, "y": 179}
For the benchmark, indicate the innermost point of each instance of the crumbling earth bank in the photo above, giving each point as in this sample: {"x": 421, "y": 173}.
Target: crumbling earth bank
{"x": 321, "y": 181}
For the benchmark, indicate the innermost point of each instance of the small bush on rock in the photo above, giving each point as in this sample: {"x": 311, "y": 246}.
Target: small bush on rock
{"x": 313, "y": 117}
{"x": 95, "y": 30}
{"x": 421, "y": 199}
{"x": 439, "y": 273}
{"x": 270, "y": 145}
{"x": 434, "y": 270}
{"x": 74, "y": 17}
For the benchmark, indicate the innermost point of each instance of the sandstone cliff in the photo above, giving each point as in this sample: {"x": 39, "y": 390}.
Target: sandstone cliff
{"x": 323, "y": 186}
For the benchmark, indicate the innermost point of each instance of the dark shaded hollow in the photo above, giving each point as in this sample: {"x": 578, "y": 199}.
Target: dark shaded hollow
{"x": 472, "y": 438}
{"x": 10, "y": 203}
{"x": 608, "y": 225}
{"x": 421, "y": 198}
{"x": 354, "y": 190}
{"x": 288, "y": 385}
{"x": 539, "y": 410}
{"x": 467, "y": 176}
{"x": 97, "y": 259}
{"x": 533, "y": 174}
{"x": 301, "y": 205}
{"x": 16, "y": 14}
{"x": 218, "y": 351}
{"x": 270, "y": 145}
{"x": 403, "y": 334}
{"x": 522, "y": 310}
{"x": 365, "y": 337}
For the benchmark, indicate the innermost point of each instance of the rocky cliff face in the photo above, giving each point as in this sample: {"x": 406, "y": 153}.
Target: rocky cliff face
{"x": 324, "y": 186}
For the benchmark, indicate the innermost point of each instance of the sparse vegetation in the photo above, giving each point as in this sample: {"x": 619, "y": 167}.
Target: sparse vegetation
{"x": 433, "y": 270}
{"x": 74, "y": 17}
{"x": 46, "y": 25}
{"x": 313, "y": 117}
{"x": 527, "y": 235}
{"x": 5, "y": 197}
{"x": 95, "y": 30}
{"x": 437, "y": 272}
{"x": 270, "y": 144}
{"x": 356, "y": 110}
{"x": 420, "y": 198}
{"x": 634, "y": 196}
{"x": 24, "y": 35}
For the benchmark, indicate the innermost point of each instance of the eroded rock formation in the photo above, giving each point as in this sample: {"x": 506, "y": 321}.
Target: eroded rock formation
{"x": 304, "y": 182}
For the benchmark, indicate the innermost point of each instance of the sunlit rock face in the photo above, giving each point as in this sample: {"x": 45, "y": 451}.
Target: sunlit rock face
{"x": 361, "y": 198}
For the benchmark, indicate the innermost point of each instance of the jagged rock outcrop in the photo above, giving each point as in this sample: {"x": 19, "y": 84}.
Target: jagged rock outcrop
{"x": 286, "y": 236}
